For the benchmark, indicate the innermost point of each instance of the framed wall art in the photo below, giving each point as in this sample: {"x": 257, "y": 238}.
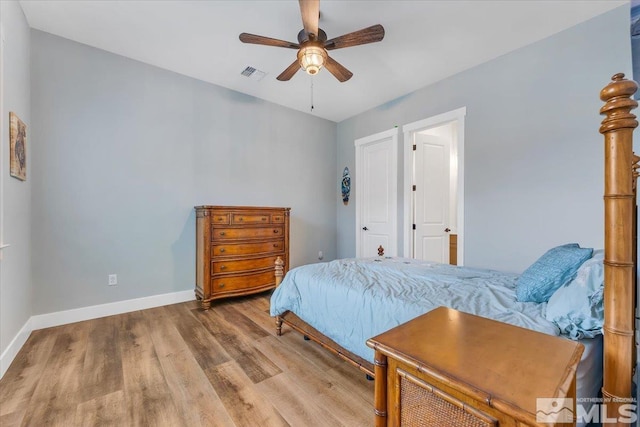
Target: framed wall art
{"x": 346, "y": 186}
{"x": 18, "y": 147}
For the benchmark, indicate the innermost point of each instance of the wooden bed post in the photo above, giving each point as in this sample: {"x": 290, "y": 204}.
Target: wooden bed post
{"x": 619, "y": 211}
{"x": 279, "y": 271}
{"x": 279, "y": 274}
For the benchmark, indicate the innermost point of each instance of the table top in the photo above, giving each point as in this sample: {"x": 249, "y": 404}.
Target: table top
{"x": 502, "y": 364}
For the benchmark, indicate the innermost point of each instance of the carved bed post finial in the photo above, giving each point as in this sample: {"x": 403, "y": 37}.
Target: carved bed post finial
{"x": 619, "y": 212}
{"x": 380, "y": 251}
{"x": 279, "y": 270}
{"x": 618, "y": 105}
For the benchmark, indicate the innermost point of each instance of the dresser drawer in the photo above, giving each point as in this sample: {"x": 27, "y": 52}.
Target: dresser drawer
{"x": 224, "y": 284}
{"x": 277, "y": 218}
{"x": 222, "y": 249}
{"x": 220, "y": 218}
{"x": 230, "y": 266}
{"x": 250, "y": 218}
{"x": 218, "y": 233}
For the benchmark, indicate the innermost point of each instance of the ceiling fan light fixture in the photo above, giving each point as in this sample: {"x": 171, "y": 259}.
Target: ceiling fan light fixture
{"x": 313, "y": 44}
{"x": 312, "y": 58}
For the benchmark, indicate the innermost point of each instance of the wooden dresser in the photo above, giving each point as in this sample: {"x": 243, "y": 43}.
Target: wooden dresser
{"x": 448, "y": 368}
{"x": 236, "y": 250}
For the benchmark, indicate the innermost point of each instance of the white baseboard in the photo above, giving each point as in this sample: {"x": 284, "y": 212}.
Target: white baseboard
{"x": 58, "y": 318}
{"x": 14, "y": 347}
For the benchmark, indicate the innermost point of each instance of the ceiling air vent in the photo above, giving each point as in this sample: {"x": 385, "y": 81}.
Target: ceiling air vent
{"x": 253, "y": 73}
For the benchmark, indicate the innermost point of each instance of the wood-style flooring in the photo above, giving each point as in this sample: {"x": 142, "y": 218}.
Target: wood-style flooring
{"x": 180, "y": 366}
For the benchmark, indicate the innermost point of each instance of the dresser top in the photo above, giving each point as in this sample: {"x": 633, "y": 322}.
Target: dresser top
{"x": 504, "y": 365}
{"x": 239, "y": 208}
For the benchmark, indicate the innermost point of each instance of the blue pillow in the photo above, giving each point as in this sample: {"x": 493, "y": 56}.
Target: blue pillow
{"x": 554, "y": 269}
{"x": 577, "y": 308}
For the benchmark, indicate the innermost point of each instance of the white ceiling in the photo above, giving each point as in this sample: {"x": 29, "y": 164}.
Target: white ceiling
{"x": 425, "y": 41}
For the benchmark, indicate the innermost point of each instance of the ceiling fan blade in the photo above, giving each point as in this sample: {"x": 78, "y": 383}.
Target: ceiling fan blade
{"x": 371, "y": 34}
{"x": 338, "y": 71}
{"x": 289, "y": 72}
{"x": 268, "y": 41}
{"x": 310, "y": 11}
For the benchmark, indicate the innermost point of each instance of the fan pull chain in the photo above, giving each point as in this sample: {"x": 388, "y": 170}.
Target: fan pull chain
{"x": 312, "y": 94}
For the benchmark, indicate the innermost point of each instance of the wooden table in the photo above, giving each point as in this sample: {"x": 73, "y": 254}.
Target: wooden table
{"x": 448, "y": 368}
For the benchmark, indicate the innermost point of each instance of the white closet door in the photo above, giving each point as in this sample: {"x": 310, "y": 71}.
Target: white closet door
{"x": 376, "y": 194}
{"x": 432, "y": 198}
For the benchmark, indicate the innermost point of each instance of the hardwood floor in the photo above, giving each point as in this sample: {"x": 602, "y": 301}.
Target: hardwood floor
{"x": 180, "y": 366}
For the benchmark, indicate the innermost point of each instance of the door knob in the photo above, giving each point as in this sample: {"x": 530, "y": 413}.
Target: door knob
{"x": 446, "y": 230}
{"x": 365, "y": 228}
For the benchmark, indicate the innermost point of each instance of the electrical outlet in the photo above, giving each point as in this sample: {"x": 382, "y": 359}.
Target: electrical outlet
{"x": 113, "y": 279}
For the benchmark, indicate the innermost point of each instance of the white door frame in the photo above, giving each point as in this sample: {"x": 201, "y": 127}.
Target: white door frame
{"x": 359, "y": 144}
{"x": 456, "y": 116}
{"x": 2, "y": 146}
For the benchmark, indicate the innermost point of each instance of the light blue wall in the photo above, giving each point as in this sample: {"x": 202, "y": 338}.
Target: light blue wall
{"x": 122, "y": 151}
{"x": 15, "y": 269}
{"x": 534, "y": 157}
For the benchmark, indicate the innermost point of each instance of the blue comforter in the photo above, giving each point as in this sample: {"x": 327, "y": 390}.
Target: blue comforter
{"x": 352, "y": 300}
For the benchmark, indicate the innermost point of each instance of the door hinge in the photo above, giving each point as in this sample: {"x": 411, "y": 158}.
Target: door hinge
{"x": 414, "y": 147}
{"x": 414, "y": 188}
{"x": 414, "y": 226}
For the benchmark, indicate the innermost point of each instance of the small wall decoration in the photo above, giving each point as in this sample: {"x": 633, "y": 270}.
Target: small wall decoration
{"x": 346, "y": 186}
{"x": 18, "y": 147}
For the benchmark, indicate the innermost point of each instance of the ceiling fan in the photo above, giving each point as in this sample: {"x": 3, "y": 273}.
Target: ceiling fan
{"x": 313, "y": 44}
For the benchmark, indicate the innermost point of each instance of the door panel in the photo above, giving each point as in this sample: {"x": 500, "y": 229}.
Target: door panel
{"x": 376, "y": 187}
{"x": 376, "y": 194}
{"x": 432, "y": 198}
{"x": 376, "y": 215}
{"x": 433, "y": 246}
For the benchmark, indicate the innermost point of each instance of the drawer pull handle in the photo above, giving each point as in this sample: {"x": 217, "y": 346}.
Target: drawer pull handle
{"x": 222, "y": 233}
{"x": 221, "y": 285}
{"x": 221, "y": 249}
{"x": 223, "y": 267}
{"x": 240, "y": 219}
{"x": 221, "y": 218}
{"x": 275, "y": 245}
{"x": 264, "y": 219}
{"x": 276, "y": 231}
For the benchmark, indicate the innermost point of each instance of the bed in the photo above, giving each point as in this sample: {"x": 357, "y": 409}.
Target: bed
{"x": 351, "y": 300}
{"x": 340, "y": 323}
